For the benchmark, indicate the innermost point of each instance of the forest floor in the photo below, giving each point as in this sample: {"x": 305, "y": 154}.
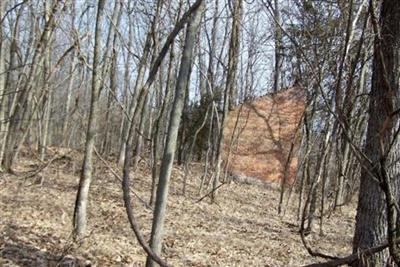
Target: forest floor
{"x": 242, "y": 229}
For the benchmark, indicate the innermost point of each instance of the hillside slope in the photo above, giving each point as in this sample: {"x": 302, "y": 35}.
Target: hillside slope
{"x": 260, "y": 133}
{"x": 243, "y": 229}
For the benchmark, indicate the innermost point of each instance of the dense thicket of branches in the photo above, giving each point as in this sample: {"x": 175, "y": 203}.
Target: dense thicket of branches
{"x": 155, "y": 80}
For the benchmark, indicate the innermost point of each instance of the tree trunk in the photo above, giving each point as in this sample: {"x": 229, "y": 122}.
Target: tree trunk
{"x": 8, "y": 103}
{"x": 172, "y": 135}
{"x": 2, "y": 83}
{"x": 228, "y": 102}
{"x": 278, "y": 47}
{"x": 80, "y": 212}
{"x": 46, "y": 106}
{"x": 68, "y": 100}
{"x": 106, "y": 146}
{"x": 71, "y": 80}
{"x": 124, "y": 121}
{"x": 371, "y": 220}
{"x": 234, "y": 53}
{"x": 19, "y": 112}
{"x": 134, "y": 103}
{"x": 140, "y": 134}
{"x": 159, "y": 127}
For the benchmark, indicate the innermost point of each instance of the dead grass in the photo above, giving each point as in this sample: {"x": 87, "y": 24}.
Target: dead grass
{"x": 243, "y": 229}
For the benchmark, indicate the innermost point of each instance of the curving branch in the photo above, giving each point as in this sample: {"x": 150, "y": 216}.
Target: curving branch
{"x": 353, "y": 257}
{"x": 128, "y": 151}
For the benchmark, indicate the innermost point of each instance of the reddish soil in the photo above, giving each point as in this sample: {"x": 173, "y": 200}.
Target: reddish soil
{"x": 265, "y": 130}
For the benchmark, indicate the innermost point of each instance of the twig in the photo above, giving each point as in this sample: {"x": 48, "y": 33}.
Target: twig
{"x": 209, "y": 193}
{"x": 11, "y": 9}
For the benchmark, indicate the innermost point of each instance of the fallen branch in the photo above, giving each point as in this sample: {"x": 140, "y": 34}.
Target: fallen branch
{"x": 353, "y": 257}
{"x": 310, "y": 250}
{"x": 44, "y": 166}
{"x": 209, "y": 193}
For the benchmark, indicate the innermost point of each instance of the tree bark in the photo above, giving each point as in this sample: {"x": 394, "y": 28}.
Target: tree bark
{"x": 371, "y": 220}
{"x": 116, "y": 19}
{"x": 159, "y": 127}
{"x": 46, "y": 106}
{"x": 20, "y": 111}
{"x": 278, "y": 47}
{"x": 234, "y": 53}
{"x": 134, "y": 103}
{"x": 2, "y": 83}
{"x": 228, "y": 102}
{"x": 80, "y": 212}
{"x": 172, "y": 135}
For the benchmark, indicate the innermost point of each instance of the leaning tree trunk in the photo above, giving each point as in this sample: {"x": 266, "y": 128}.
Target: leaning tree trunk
{"x": 172, "y": 135}
{"x": 80, "y": 212}
{"x": 371, "y": 220}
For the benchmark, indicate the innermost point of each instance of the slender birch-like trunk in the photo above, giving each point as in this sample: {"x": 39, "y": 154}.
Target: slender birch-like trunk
{"x": 172, "y": 135}
{"x": 80, "y": 212}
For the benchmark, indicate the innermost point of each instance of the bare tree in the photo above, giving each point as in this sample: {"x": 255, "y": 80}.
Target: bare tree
{"x": 278, "y": 47}
{"x": 20, "y": 111}
{"x": 228, "y": 100}
{"x": 82, "y": 198}
{"x": 172, "y": 135}
{"x": 2, "y": 82}
{"x": 377, "y": 217}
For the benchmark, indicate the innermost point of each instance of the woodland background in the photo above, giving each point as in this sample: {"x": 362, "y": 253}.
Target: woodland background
{"x": 254, "y": 117}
